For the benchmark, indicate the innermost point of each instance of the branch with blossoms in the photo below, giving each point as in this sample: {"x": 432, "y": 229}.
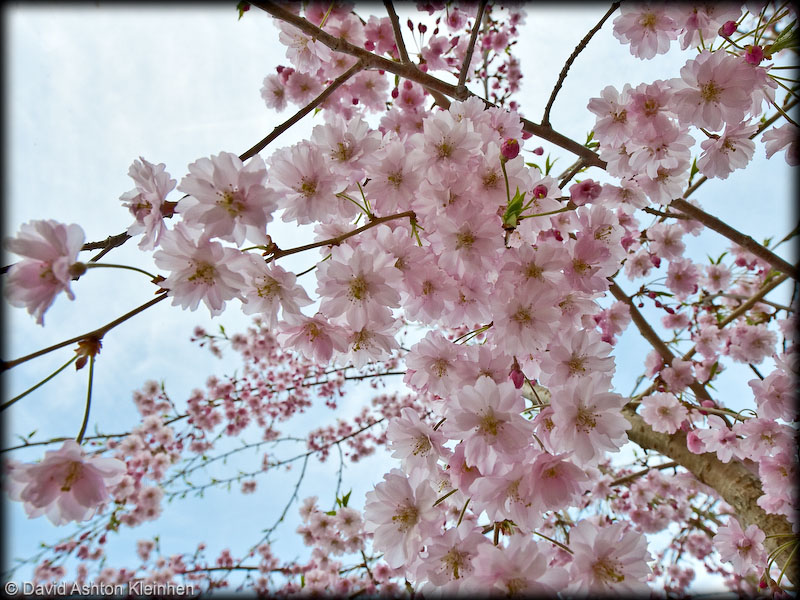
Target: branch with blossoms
{"x": 432, "y": 227}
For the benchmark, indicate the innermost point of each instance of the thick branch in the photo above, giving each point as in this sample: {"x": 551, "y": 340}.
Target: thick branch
{"x": 578, "y": 49}
{"x": 745, "y": 241}
{"x": 732, "y": 481}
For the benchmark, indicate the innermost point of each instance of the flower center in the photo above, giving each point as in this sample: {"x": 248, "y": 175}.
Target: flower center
{"x": 395, "y": 179}
{"x": 406, "y": 517}
{"x": 465, "y": 240}
{"x": 231, "y": 202}
{"x": 73, "y": 474}
{"x": 204, "y": 273}
{"x": 358, "y": 288}
{"x": 608, "y": 570}
{"x": 710, "y": 91}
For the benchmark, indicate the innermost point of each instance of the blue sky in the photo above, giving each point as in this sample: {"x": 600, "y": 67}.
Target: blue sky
{"x": 91, "y": 88}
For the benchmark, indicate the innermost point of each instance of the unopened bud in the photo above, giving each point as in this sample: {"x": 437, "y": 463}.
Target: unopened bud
{"x": 753, "y": 54}
{"x": 509, "y": 148}
{"x": 540, "y": 191}
{"x": 538, "y": 151}
{"x": 517, "y": 377}
{"x": 727, "y": 28}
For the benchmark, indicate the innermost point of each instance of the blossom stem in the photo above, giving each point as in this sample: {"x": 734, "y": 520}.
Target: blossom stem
{"x": 551, "y": 212}
{"x": 97, "y": 333}
{"x": 556, "y": 542}
{"x": 463, "y": 512}
{"x": 788, "y": 562}
{"x": 92, "y": 265}
{"x": 578, "y": 49}
{"x": 6, "y": 405}
{"x": 445, "y": 497}
{"x": 79, "y": 439}
{"x": 505, "y": 178}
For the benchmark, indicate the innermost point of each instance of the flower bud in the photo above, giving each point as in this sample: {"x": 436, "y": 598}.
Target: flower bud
{"x": 538, "y": 151}
{"x": 517, "y": 376}
{"x": 509, "y": 148}
{"x": 727, "y": 28}
{"x": 753, "y": 54}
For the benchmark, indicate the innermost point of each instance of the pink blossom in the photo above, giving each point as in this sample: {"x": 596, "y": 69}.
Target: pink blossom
{"x": 663, "y": 412}
{"x": 200, "y": 270}
{"x": 646, "y": 27}
{"x": 588, "y": 420}
{"x": 575, "y": 356}
{"x": 679, "y": 375}
{"x": 50, "y": 261}
{"x": 273, "y": 92}
{"x": 785, "y": 136}
{"x": 519, "y": 568}
{"x": 228, "y": 199}
{"x": 714, "y": 89}
{"x": 66, "y": 485}
{"x": 316, "y": 338}
{"x": 730, "y": 151}
{"x": 487, "y": 417}
{"x": 613, "y": 126}
{"x": 776, "y": 396}
{"x": 719, "y": 438}
{"x": 146, "y": 201}
{"x": 269, "y": 288}
{"x": 608, "y": 559}
{"x": 743, "y": 549}
{"x": 435, "y": 365}
{"x": 400, "y": 517}
{"x": 415, "y": 443}
{"x": 682, "y": 277}
{"x": 450, "y": 557}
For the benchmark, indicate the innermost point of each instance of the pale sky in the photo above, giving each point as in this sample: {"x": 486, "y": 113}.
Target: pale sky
{"x": 91, "y": 88}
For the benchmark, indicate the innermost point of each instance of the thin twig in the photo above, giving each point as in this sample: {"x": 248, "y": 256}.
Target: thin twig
{"x": 332, "y": 87}
{"x": 462, "y": 76}
{"x": 578, "y": 49}
{"x": 97, "y": 333}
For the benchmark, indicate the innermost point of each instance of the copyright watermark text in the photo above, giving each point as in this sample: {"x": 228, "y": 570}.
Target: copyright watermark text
{"x": 133, "y": 588}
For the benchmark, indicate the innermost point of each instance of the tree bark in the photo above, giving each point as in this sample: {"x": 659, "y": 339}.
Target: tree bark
{"x": 732, "y": 481}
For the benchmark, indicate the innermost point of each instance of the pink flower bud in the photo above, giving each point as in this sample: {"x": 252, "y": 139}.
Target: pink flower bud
{"x": 727, "y": 28}
{"x": 538, "y": 151}
{"x": 753, "y": 54}
{"x": 526, "y": 135}
{"x": 517, "y": 377}
{"x": 540, "y": 191}
{"x": 509, "y": 148}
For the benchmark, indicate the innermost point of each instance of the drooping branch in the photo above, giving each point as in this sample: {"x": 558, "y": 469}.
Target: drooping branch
{"x": 578, "y": 49}
{"x": 97, "y": 334}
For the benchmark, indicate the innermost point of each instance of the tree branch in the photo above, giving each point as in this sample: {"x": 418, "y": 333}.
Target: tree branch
{"x": 462, "y": 76}
{"x": 398, "y": 33}
{"x": 578, "y": 49}
{"x": 332, "y": 87}
{"x": 732, "y": 481}
{"x": 745, "y": 241}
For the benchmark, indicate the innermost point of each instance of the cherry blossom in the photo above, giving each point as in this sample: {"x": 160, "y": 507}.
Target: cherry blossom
{"x": 50, "y": 260}
{"x": 66, "y": 485}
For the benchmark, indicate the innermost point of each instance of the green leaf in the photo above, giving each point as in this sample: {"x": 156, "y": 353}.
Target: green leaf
{"x": 513, "y": 210}
{"x": 332, "y": 513}
{"x": 346, "y": 498}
